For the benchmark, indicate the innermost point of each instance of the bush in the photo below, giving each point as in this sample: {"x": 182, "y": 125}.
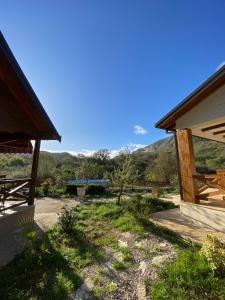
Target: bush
{"x": 143, "y": 206}
{"x": 66, "y": 220}
{"x": 71, "y": 189}
{"x": 95, "y": 189}
{"x": 47, "y": 185}
{"x": 214, "y": 251}
{"x": 189, "y": 277}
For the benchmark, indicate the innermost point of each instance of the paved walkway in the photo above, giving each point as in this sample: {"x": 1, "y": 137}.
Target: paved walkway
{"x": 47, "y": 210}
{"x": 186, "y": 227}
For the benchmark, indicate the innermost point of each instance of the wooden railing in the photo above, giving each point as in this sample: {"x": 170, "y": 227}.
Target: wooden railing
{"x": 214, "y": 181}
{"x": 13, "y": 190}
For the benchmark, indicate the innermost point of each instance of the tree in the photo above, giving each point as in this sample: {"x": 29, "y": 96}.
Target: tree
{"x": 163, "y": 168}
{"x": 89, "y": 170}
{"x": 102, "y": 155}
{"x": 124, "y": 174}
{"x": 47, "y": 167}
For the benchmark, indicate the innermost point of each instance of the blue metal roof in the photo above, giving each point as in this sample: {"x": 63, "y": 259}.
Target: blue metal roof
{"x": 86, "y": 181}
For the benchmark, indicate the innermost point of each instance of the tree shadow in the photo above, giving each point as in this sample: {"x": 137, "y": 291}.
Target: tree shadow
{"x": 40, "y": 272}
{"x": 163, "y": 232}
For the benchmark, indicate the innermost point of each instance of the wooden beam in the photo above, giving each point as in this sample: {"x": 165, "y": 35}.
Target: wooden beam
{"x": 187, "y": 165}
{"x": 178, "y": 167}
{"x": 34, "y": 171}
{"x": 213, "y": 127}
{"x": 218, "y": 132}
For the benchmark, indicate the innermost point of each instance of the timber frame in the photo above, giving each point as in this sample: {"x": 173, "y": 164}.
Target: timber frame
{"x": 200, "y": 114}
{"x": 22, "y": 119}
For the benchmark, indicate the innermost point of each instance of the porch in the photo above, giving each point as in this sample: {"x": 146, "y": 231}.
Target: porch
{"x": 22, "y": 120}
{"x": 201, "y": 114}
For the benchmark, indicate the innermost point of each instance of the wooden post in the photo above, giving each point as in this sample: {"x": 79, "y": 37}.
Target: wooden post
{"x": 178, "y": 167}
{"x": 34, "y": 171}
{"x": 187, "y": 165}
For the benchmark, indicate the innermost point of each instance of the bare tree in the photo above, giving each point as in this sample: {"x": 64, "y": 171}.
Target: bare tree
{"x": 102, "y": 154}
{"x": 124, "y": 174}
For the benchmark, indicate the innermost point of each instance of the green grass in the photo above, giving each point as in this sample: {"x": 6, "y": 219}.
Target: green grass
{"x": 189, "y": 277}
{"x": 53, "y": 269}
{"x": 119, "y": 266}
{"x": 43, "y": 273}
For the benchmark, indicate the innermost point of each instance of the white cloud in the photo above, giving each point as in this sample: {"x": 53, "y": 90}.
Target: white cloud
{"x": 140, "y": 130}
{"x": 131, "y": 147}
{"x": 220, "y": 65}
{"x": 84, "y": 152}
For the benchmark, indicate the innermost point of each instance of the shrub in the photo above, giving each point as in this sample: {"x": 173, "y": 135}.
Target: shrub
{"x": 214, "y": 251}
{"x": 95, "y": 189}
{"x": 143, "y": 206}
{"x": 71, "y": 189}
{"x": 157, "y": 191}
{"x": 66, "y": 220}
{"x": 47, "y": 185}
{"x": 189, "y": 277}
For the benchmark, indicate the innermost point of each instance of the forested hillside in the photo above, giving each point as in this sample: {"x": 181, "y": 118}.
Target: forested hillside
{"x": 154, "y": 162}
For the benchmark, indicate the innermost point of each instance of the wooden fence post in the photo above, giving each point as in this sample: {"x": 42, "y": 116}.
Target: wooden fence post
{"x": 34, "y": 171}
{"x": 187, "y": 165}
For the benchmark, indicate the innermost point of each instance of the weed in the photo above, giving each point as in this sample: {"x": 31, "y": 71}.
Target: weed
{"x": 112, "y": 286}
{"x": 119, "y": 266}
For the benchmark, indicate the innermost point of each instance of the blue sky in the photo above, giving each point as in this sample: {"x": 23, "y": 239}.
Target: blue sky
{"x": 100, "y": 68}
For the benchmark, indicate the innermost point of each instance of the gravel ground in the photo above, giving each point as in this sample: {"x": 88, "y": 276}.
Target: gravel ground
{"x": 129, "y": 284}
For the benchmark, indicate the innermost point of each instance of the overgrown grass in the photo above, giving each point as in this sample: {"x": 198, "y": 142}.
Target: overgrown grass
{"x": 189, "y": 277}
{"x": 43, "y": 273}
{"x": 50, "y": 270}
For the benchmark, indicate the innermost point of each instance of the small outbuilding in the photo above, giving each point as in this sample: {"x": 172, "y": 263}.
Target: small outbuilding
{"x": 201, "y": 114}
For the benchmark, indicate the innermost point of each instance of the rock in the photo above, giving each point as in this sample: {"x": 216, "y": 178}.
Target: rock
{"x": 122, "y": 243}
{"x": 84, "y": 291}
{"x": 141, "y": 291}
{"x": 142, "y": 267}
{"x": 158, "y": 260}
{"x": 126, "y": 235}
{"x": 163, "y": 245}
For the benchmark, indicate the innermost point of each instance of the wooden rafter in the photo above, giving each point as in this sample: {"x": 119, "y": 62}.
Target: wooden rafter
{"x": 218, "y": 132}
{"x": 213, "y": 127}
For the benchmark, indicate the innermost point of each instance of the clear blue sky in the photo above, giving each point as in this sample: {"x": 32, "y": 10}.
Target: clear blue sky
{"x": 102, "y": 67}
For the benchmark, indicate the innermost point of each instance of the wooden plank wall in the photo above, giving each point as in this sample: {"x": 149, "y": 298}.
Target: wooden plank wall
{"x": 187, "y": 165}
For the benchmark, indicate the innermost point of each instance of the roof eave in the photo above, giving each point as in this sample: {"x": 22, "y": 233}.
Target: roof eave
{"x": 24, "y": 81}
{"x": 168, "y": 121}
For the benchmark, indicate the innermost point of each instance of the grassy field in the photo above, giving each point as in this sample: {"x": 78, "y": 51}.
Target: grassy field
{"x": 105, "y": 243}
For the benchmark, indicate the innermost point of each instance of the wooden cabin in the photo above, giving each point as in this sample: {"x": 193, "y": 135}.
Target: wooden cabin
{"x": 201, "y": 114}
{"x": 22, "y": 119}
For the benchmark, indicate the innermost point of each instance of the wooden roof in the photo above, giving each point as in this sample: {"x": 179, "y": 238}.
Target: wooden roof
{"x": 21, "y": 115}
{"x": 16, "y": 146}
{"x": 168, "y": 122}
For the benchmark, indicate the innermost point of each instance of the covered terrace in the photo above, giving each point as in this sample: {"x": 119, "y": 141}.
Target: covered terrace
{"x": 201, "y": 114}
{"x": 22, "y": 119}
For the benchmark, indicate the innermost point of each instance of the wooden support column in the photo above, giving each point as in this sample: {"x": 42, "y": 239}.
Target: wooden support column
{"x": 187, "y": 165}
{"x": 34, "y": 171}
{"x": 178, "y": 167}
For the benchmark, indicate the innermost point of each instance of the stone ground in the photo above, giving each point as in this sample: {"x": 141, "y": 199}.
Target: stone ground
{"x": 129, "y": 283}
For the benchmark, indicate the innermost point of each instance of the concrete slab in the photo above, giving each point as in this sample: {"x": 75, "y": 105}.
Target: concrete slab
{"x": 185, "y": 226}
{"x": 47, "y": 210}
{"x": 13, "y": 233}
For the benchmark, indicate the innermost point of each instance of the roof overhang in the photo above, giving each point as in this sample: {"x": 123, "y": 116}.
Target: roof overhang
{"x": 21, "y": 116}
{"x": 203, "y": 111}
